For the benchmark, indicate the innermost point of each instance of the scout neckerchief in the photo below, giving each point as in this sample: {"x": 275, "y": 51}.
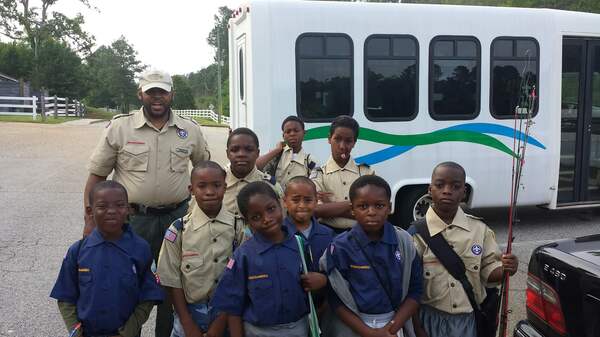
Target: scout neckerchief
{"x": 313, "y": 321}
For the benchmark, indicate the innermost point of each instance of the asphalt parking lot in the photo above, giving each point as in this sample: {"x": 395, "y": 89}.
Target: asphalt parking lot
{"x": 42, "y": 176}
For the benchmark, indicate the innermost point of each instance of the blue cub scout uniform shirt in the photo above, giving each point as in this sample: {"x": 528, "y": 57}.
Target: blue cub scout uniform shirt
{"x": 261, "y": 283}
{"x": 319, "y": 239}
{"x": 106, "y": 280}
{"x": 345, "y": 255}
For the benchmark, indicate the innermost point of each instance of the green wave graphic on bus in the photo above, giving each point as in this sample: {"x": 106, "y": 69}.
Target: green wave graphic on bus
{"x": 477, "y": 133}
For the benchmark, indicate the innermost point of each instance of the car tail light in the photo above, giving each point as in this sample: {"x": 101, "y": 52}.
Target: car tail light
{"x": 543, "y": 301}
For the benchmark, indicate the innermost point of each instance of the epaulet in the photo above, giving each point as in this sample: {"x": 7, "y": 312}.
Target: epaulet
{"x": 122, "y": 115}
{"x": 178, "y": 224}
{"x": 187, "y": 118}
{"x": 474, "y": 217}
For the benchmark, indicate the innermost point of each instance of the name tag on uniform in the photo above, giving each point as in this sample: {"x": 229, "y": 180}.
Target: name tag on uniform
{"x": 180, "y": 150}
{"x": 84, "y": 270}
{"x": 258, "y": 277}
{"x": 356, "y": 266}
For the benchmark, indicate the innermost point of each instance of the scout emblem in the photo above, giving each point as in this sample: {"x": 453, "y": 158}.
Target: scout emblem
{"x": 476, "y": 249}
{"x": 398, "y": 256}
{"x": 182, "y": 133}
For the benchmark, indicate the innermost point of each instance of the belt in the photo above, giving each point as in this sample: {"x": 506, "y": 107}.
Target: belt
{"x": 163, "y": 209}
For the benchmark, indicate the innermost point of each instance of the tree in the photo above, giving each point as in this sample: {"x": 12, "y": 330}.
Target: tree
{"x": 218, "y": 38}
{"x": 16, "y": 60}
{"x": 21, "y": 21}
{"x": 112, "y": 72}
{"x": 61, "y": 70}
{"x": 183, "y": 93}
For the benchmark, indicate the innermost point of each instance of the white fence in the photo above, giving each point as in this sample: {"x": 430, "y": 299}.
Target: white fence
{"x": 46, "y": 106}
{"x": 18, "y": 105}
{"x": 208, "y": 114}
{"x": 61, "y": 106}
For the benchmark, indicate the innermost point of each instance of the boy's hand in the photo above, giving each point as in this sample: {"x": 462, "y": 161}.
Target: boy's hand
{"x": 313, "y": 281}
{"x": 382, "y": 332}
{"x": 325, "y": 197}
{"x": 510, "y": 263}
{"x": 192, "y": 330}
{"x": 280, "y": 145}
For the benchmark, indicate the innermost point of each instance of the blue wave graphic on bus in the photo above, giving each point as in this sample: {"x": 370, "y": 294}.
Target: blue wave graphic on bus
{"x": 487, "y": 128}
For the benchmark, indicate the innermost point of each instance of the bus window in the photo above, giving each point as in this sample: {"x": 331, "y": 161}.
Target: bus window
{"x": 391, "y": 72}
{"x": 324, "y": 81}
{"x": 454, "y": 77}
{"x": 514, "y": 72}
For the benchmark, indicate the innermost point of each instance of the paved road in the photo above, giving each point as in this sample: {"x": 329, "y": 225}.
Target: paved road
{"x": 42, "y": 172}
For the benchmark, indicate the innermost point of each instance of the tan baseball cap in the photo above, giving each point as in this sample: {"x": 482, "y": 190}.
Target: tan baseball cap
{"x": 155, "y": 79}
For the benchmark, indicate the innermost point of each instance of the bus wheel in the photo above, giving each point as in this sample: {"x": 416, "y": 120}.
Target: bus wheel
{"x": 413, "y": 205}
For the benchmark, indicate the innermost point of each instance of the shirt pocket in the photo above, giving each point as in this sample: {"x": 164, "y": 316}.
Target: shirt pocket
{"x": 191, "y": 265}
{"x": 261, "y": 293}
{"x": 85, "y": 279}
{"x": 179, "y": 159}
{"x": 435, "y": 279}
{"x": 134, "y": 157}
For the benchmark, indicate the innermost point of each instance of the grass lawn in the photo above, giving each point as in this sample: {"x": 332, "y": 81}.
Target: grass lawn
{"x": 209, "y": 122}
{"x": 28, "y": 119}
{"x": 95, "y": 113}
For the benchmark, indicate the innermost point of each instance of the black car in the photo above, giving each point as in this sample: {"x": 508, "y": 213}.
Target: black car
{"x": 563, "y": 290}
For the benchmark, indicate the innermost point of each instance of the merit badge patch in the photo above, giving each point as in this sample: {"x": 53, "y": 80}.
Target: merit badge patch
{"x": 230, "y": 263}
{"x": 398, "y": 256}
{"x": 476, "y": 249}
{"x": 170, "y": 235}
{"x": 182, "y": 133}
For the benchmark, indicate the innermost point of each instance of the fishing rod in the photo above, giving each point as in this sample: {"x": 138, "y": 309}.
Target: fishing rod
{"x": 523, "y": 113}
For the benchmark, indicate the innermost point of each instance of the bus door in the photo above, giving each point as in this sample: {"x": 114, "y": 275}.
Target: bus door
{"x": 579, "y": 178}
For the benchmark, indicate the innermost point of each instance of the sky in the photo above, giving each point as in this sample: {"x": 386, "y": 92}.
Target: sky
{"x": 168, "y": 35}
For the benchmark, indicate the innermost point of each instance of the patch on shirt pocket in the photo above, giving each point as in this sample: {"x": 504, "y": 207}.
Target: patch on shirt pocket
{"x": 179, "y": 158}
{"x": 356, "y": 266}
{"x": 134, "y": 157}
{"x": 84, "y": 275}
{"x": 258, "y": 277}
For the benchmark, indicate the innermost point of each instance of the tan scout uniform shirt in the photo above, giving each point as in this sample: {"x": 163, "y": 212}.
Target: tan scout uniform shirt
{"x": 152, "y": 164}
{"x": 475, "y": 243}
{"x": 196, "y": 257}
{"x": 337, "y": 180}
{"x": 291, "y": 165}
{"x": 235, "y": 185}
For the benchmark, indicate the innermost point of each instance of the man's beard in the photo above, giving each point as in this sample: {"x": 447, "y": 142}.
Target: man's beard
{"x": 150, "y": 113}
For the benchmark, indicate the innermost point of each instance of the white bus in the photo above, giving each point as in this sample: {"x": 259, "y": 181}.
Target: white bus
{"x": 428, "y": 83}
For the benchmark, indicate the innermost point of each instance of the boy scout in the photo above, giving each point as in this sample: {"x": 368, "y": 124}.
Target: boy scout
{"x": 105, "y": 286}
{"x": 445, "y": 309}
{"x": 242, "y": 152}
{"x": 333, "y": 180}
{"x": 149, "y": 151}
{"x": 288, "y": 160}
{"x": 195, "y": 250}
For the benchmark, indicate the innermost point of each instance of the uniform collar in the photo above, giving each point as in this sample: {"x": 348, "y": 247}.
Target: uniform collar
{"x": 141, "y": 119}
{"x": 298, "y": 158}
{"x": 436, "y": 225}
{"x": 199, "y": 219}
{"x": 388, "y": 237}
{"x": 315, "y": 229}
{"x": 331, "y": 166}
{"x": 264, "y": 244}
{"x": 231, "y": 179}
{"x": 95, "y": 239}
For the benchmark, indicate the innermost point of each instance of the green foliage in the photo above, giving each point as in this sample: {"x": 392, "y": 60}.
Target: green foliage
{"x": 112, "y": 70}
{"x": 16, "y": 60}
{"x": 60, "y": 70}
{"x": 183, "y": 93}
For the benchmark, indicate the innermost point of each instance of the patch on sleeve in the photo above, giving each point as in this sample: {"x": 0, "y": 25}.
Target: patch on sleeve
{"x": 476, "y": 249}
{"x": 313, "y": 174}
{"x": 230, "y": 263}
{"x": 170, "y": 235}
